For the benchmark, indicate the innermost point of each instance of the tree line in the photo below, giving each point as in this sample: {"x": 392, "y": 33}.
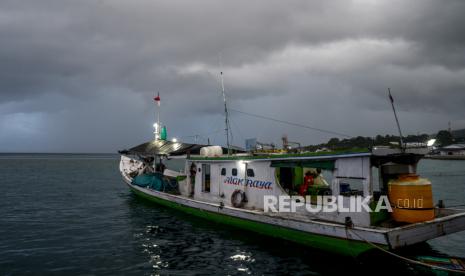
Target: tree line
{"x": 443, "y": 138}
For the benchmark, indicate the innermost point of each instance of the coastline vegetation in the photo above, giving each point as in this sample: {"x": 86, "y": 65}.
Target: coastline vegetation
{"x": 444, "y": 138}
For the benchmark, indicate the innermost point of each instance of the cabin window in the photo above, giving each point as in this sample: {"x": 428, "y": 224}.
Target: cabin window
{"x": 351, "y": 186}
{"x": 206, "y": 178}
{"x": 223, "y": 171}
{"x": 286, "y": 179}
{"x": 250, "y": 173}
{"x": 303, "y": 180}
{"x": 234, "y": 172}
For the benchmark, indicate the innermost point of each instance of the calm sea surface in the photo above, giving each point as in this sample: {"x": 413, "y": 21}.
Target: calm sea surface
{"x": 72, "y": 214}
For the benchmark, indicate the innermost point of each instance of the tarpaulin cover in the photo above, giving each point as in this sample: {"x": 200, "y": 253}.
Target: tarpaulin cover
{"x": 155, "y": 181}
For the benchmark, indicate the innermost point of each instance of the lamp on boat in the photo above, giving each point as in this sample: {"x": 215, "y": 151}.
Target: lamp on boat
{"x": 156, "y": 132}
{"x": 174, "y": 140}
{"x": 431, "y": 142}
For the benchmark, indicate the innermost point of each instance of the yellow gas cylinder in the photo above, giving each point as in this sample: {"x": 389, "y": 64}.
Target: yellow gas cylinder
{"x": 411, "y": 198}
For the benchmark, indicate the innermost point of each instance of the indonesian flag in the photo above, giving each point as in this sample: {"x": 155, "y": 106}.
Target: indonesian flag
{"x": 157, "y": 99}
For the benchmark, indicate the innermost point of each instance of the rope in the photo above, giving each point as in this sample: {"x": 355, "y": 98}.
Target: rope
{"x": 407, "y": 259}
{"x": 203, "y": 136}
{"x": 291, "y": 123}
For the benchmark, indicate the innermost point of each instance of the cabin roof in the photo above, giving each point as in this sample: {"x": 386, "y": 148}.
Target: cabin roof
{"x": 329, "y": 155}
{"x": 164, "y": 147}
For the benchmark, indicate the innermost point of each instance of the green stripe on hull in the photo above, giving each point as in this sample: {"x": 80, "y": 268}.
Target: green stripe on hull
{"x": 326, "y": 243}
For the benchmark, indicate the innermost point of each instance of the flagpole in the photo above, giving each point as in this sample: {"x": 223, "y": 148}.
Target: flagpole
{"x": 397, "y": 120}
{"x": 157, "y": 129}
{"x": 158, "y": 117}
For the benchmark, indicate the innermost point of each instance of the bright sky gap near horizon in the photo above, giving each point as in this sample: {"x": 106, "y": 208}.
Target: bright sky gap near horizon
{"x": 80, "y": 76}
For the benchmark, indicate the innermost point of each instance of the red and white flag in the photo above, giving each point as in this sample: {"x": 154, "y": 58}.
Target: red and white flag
{"x": 157, "y": 99}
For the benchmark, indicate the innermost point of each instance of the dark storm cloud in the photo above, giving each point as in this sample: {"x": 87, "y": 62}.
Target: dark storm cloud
{"x": 79, "y": 75}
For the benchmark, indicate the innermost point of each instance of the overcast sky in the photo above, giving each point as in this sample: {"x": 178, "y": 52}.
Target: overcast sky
{"x": 80, "y": 76}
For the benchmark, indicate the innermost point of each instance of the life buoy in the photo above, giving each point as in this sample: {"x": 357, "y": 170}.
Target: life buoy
{"x": 238, "y": 199}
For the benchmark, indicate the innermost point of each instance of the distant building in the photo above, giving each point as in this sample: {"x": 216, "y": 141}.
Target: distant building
{"x": 251, "y": 144}
{"x": 323, "y": 149}
{"x": 455, "y": 149}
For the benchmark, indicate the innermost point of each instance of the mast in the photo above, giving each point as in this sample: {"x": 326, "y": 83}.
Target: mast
{"x": 397, "y": 120}
{"x": 226, "y": 115}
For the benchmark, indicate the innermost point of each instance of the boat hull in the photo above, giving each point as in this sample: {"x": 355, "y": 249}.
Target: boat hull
{"x": 327, "y": 243}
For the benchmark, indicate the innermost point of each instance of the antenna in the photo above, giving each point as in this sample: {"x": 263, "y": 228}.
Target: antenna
{"x": 226, "y": 116}
{"x": 397, "y": 120}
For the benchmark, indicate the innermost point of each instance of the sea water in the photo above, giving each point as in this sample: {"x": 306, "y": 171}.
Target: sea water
{"x": 63, "y": 214}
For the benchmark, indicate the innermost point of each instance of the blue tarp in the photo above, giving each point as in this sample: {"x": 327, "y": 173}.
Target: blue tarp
{"x": 155, "y": 181}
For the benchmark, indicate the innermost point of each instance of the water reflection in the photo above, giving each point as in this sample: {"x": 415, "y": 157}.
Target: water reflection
{"x": 243, "y": 259}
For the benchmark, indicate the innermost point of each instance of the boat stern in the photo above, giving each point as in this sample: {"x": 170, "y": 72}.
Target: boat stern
{"x": 448, "y": 221}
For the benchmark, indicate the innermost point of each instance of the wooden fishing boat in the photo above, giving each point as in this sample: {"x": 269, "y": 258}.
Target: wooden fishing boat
{"x": 232, "y": 189}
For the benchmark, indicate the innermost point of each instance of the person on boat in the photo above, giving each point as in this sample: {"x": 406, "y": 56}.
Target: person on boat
{"x": 160, "y": 167}
{"x": 319, "y": 180}
{"x": 308, "y": 181}
{"x": 192, "y": 172}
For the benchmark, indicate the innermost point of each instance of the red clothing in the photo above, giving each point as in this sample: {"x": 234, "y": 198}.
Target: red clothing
{"x": 308, "y": 181}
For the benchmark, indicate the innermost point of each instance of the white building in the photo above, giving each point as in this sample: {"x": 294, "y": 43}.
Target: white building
{"x": 455, "y": 149}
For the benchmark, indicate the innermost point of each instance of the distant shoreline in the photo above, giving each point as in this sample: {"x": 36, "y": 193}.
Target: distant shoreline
{"x": 445, "y": 157}
{"x": 58, "y": 156}
{"x": 57, "y": 153}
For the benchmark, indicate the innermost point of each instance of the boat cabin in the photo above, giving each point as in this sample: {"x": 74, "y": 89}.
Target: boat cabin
{"x": 246, "y": 181}
{"x": 348, "y": 174}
